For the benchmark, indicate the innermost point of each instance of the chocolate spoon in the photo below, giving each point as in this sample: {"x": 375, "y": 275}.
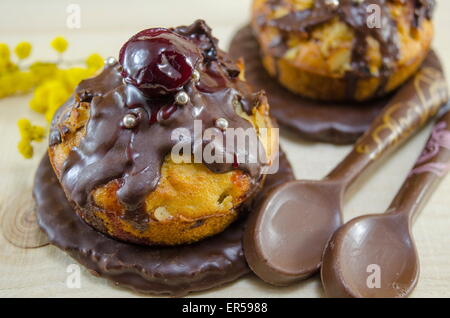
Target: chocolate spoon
{"x": 286, "y": 236}
{"x": 375, "y": 255}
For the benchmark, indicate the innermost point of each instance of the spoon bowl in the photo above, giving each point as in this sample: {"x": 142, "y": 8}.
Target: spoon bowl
{"x": 286, "y": 237}
{"x": 371, "y": 256}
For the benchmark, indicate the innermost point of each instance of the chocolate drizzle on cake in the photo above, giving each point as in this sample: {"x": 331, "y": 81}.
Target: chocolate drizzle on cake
{"x": 133, "y": 157}
{"x": 356, "y": 15}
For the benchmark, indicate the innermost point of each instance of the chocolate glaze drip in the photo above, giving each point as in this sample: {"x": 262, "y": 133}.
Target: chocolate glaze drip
{"x": 355, "y": 15}
{"x": 108, "y": 151}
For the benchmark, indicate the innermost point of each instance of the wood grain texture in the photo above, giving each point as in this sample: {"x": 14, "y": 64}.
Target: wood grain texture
{"x": 18, "y": 222}
{"x": 42, "y": 272}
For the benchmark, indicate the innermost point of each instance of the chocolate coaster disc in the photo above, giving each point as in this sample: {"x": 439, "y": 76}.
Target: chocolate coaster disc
{"x": 317, "y": 121}
{"x": 153, "y": 270}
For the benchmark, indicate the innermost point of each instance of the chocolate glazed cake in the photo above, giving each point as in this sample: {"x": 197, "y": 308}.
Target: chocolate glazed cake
{"x": 110, "y": 182}
{"x": 357, "y": 15}
{"x": 368, "y": 57}
{"x": 108, "y": 159}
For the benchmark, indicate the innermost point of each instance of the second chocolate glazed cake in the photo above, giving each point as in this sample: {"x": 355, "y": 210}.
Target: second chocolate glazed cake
{"x": 110, "y": 144}
{"x": 337, "y": 50}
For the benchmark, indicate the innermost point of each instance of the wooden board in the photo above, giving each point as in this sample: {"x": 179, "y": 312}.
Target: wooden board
{"x": 43, "y": 272}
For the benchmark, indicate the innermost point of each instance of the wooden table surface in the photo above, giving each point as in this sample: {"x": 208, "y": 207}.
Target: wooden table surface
{"x": 43, "y": 272}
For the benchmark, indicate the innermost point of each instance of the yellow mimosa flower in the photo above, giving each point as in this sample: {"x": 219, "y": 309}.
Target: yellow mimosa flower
{"x": 59, "y": 44}
{"x": 23, "y": 50}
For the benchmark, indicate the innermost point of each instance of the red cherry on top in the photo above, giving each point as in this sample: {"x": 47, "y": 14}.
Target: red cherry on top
{"x": 158, "y": 61}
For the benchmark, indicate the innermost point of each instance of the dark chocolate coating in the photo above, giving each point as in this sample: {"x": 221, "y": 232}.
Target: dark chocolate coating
{"x": 134, "y": 157}
{"x": 338, "y": 123}
{"x": 153, "y": 270}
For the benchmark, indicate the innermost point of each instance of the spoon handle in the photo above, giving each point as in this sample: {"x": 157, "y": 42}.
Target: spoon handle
{"x": 432, "y": 165}
{"x": 408, "y": 110}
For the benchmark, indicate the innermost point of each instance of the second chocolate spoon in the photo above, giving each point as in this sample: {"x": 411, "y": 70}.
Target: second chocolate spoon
{"x": 375, "y": 255}
{"x": 286, "y": 236}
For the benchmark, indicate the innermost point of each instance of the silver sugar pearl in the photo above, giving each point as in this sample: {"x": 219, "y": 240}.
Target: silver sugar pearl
{"x": 221, "y": 123}
{"x": 110, "y": 61}
{"x": 332, "y": 3}
{"x": 196, "y": 76}
{"x": 130, "y": 121}
{"x": 182, "y": 98}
